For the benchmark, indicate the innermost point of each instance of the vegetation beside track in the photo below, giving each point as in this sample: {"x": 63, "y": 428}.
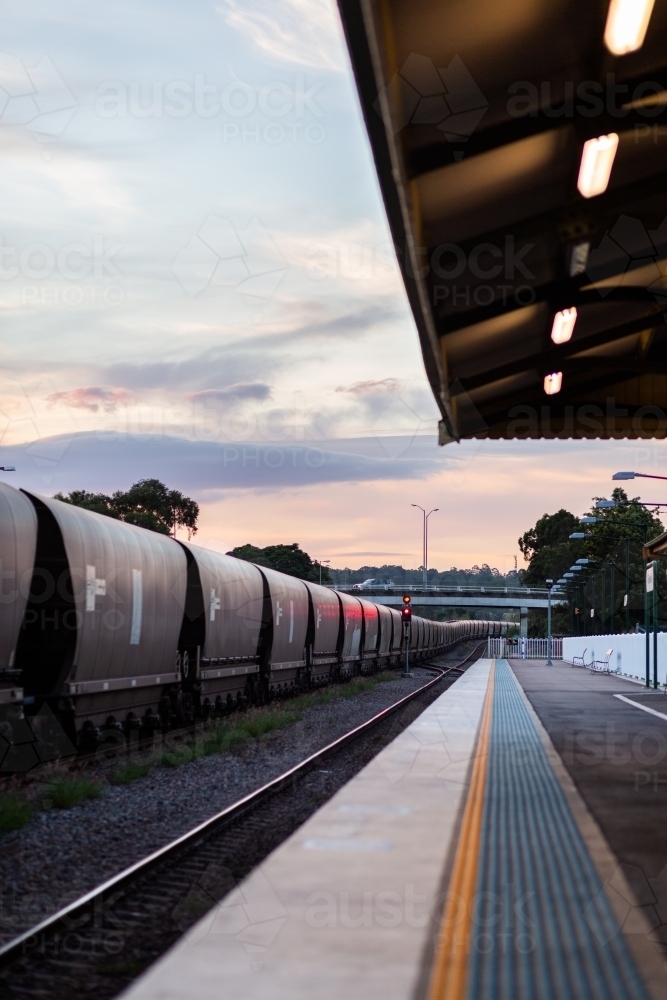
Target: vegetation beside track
{"x": 15, "y": 811}
{"x": 60, "y": 788}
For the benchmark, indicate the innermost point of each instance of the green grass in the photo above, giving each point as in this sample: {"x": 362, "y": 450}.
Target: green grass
{"x": 350, "y": 690}
{"x": 225, "y": 735}
{"x": 67, "y": 792}
{"x": 255, "y": 726}
{"x": 15, "y": 811}
{"x": 258, "y": 723}
{"x": 130, "y": 771}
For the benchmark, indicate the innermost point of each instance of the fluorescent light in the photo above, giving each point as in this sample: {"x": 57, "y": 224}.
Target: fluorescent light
{"x": 553, "y": 383}
{"x": 597, "y": 160}
{"x": 579, "y": 258}
{"x": 563, "y": 326}
{"x": 627, "y": 22}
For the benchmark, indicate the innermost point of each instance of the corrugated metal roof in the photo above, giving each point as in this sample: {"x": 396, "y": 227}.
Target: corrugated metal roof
{"x": 478, "y": 114}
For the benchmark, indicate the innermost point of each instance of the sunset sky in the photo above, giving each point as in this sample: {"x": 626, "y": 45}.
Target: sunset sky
{"x": 197, "y": 283}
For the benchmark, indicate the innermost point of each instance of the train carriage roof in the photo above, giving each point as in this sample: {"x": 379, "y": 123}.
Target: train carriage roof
{"x": 478, "y": 114}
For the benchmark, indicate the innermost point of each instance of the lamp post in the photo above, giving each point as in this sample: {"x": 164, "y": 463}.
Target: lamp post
{"x": 549, "y": 584}
{"x": 327, "y": 561}
{"x": 425, "y": 539}
{"x": 652, "y": 607}
{"x": 650, "y": 586}
{"x": 573, "y": 574}
{"x": 636, "y": 475}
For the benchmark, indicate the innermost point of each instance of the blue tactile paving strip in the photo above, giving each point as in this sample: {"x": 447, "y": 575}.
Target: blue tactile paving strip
{"x": 542, "y": 927}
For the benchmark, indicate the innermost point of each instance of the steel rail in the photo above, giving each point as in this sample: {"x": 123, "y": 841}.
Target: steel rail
{"x": 199, "y": 833}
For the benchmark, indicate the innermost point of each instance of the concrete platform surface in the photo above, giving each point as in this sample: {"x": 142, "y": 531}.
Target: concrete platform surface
{"x": 348, "y": 907}
{"x": 470, "y": 860}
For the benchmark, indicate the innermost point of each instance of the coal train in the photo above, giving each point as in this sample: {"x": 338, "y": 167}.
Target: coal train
{"x": 116, "y": 627}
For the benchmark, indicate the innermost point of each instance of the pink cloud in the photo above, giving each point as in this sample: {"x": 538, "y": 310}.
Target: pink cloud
{"x": 371, "y": 386}
{"x": 91, "y": 397}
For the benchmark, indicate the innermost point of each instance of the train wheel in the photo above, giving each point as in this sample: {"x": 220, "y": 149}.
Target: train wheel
{"x": 88, "y": 738}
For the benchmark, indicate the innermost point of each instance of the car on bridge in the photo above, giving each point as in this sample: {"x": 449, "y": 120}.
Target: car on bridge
{"x": 374, "y": 584}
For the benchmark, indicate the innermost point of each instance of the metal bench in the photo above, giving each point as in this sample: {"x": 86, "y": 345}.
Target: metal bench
{"x": 601, "y": 666}
{"x": 579, "y": 661}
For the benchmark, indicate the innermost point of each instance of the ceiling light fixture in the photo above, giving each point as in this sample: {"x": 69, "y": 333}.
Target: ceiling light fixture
{"x": 553, "y": 383}
{"x": 627, "y": 23}
{"x": 597, "y": 159}
{"x": 579, "y": 258}
{"x": 563, "y": 325}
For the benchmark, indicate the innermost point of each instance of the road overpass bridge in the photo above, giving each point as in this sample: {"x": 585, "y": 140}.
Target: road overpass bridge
{"x": 507, "y": 598}
{"x": 460, "y": 597}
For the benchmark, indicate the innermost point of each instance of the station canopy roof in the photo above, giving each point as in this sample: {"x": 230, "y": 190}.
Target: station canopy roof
{"x": 506, "y": 217}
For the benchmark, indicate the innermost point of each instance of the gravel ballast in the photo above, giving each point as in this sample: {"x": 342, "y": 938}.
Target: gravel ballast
{"x": 61, "y": 854}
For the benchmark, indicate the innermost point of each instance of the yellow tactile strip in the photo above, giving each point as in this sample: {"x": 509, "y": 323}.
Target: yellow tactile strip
{"x": 450, "y": 970}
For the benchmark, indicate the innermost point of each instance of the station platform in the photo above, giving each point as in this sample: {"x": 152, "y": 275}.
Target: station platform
{"x": 462, "y": 863}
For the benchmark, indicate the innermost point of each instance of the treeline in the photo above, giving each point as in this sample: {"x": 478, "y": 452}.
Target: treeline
{"x": 612, "y": 543}
{"x": 477, "y": 576}
{"x": 148, "y": 504}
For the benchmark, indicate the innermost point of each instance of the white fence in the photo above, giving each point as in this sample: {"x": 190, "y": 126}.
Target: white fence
{"x": 628, "y": 653}
{"x": 524, "y": 649}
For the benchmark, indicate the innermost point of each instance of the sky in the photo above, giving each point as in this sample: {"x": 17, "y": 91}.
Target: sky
{"x": 197, "y": 283}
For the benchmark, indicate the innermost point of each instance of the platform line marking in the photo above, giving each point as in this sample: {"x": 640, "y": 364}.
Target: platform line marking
{"x": 644, "y": 708}
{"x": 450, "y": 970}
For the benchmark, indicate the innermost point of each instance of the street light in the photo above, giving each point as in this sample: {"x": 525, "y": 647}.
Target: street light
{"x": 7, "y": 468}
{"x": 549, "y": 584}
{"x": 605, "y": 504}
{"x": 425, "y": 540}
{"x": 327, "y": 561}
{"x": 636, "y": 475}
{"x": 623, "y": 538}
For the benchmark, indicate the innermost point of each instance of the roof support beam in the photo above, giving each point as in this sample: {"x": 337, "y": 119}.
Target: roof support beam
{"x": 580, "y": 218}
{"x": 555, "y": 357}
{"x": 425, "y": 159}
{"x": 560, "y": 295}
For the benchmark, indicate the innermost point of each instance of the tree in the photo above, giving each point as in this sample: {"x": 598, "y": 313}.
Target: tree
{"x": 547, "y": 547}
{"x": 98, "y": 502}
{"x": 606, "y": 545}
{"x": 289, "y": 559}
{"x": 148, "y": 504}
{"x": 616, "y": 567}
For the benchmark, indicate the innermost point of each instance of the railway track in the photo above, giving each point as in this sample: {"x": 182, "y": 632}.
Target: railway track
{"x": 99, "y": 944}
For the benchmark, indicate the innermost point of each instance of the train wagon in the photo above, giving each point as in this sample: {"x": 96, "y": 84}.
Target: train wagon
{"x": 116, "y": 628}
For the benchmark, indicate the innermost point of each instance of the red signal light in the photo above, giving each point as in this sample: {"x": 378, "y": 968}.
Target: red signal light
{"x": 406, "y": 612}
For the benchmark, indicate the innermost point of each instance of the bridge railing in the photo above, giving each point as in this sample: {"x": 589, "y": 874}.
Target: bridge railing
{"x": 523, "y": 649}
{"x": 412, "y": 589}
